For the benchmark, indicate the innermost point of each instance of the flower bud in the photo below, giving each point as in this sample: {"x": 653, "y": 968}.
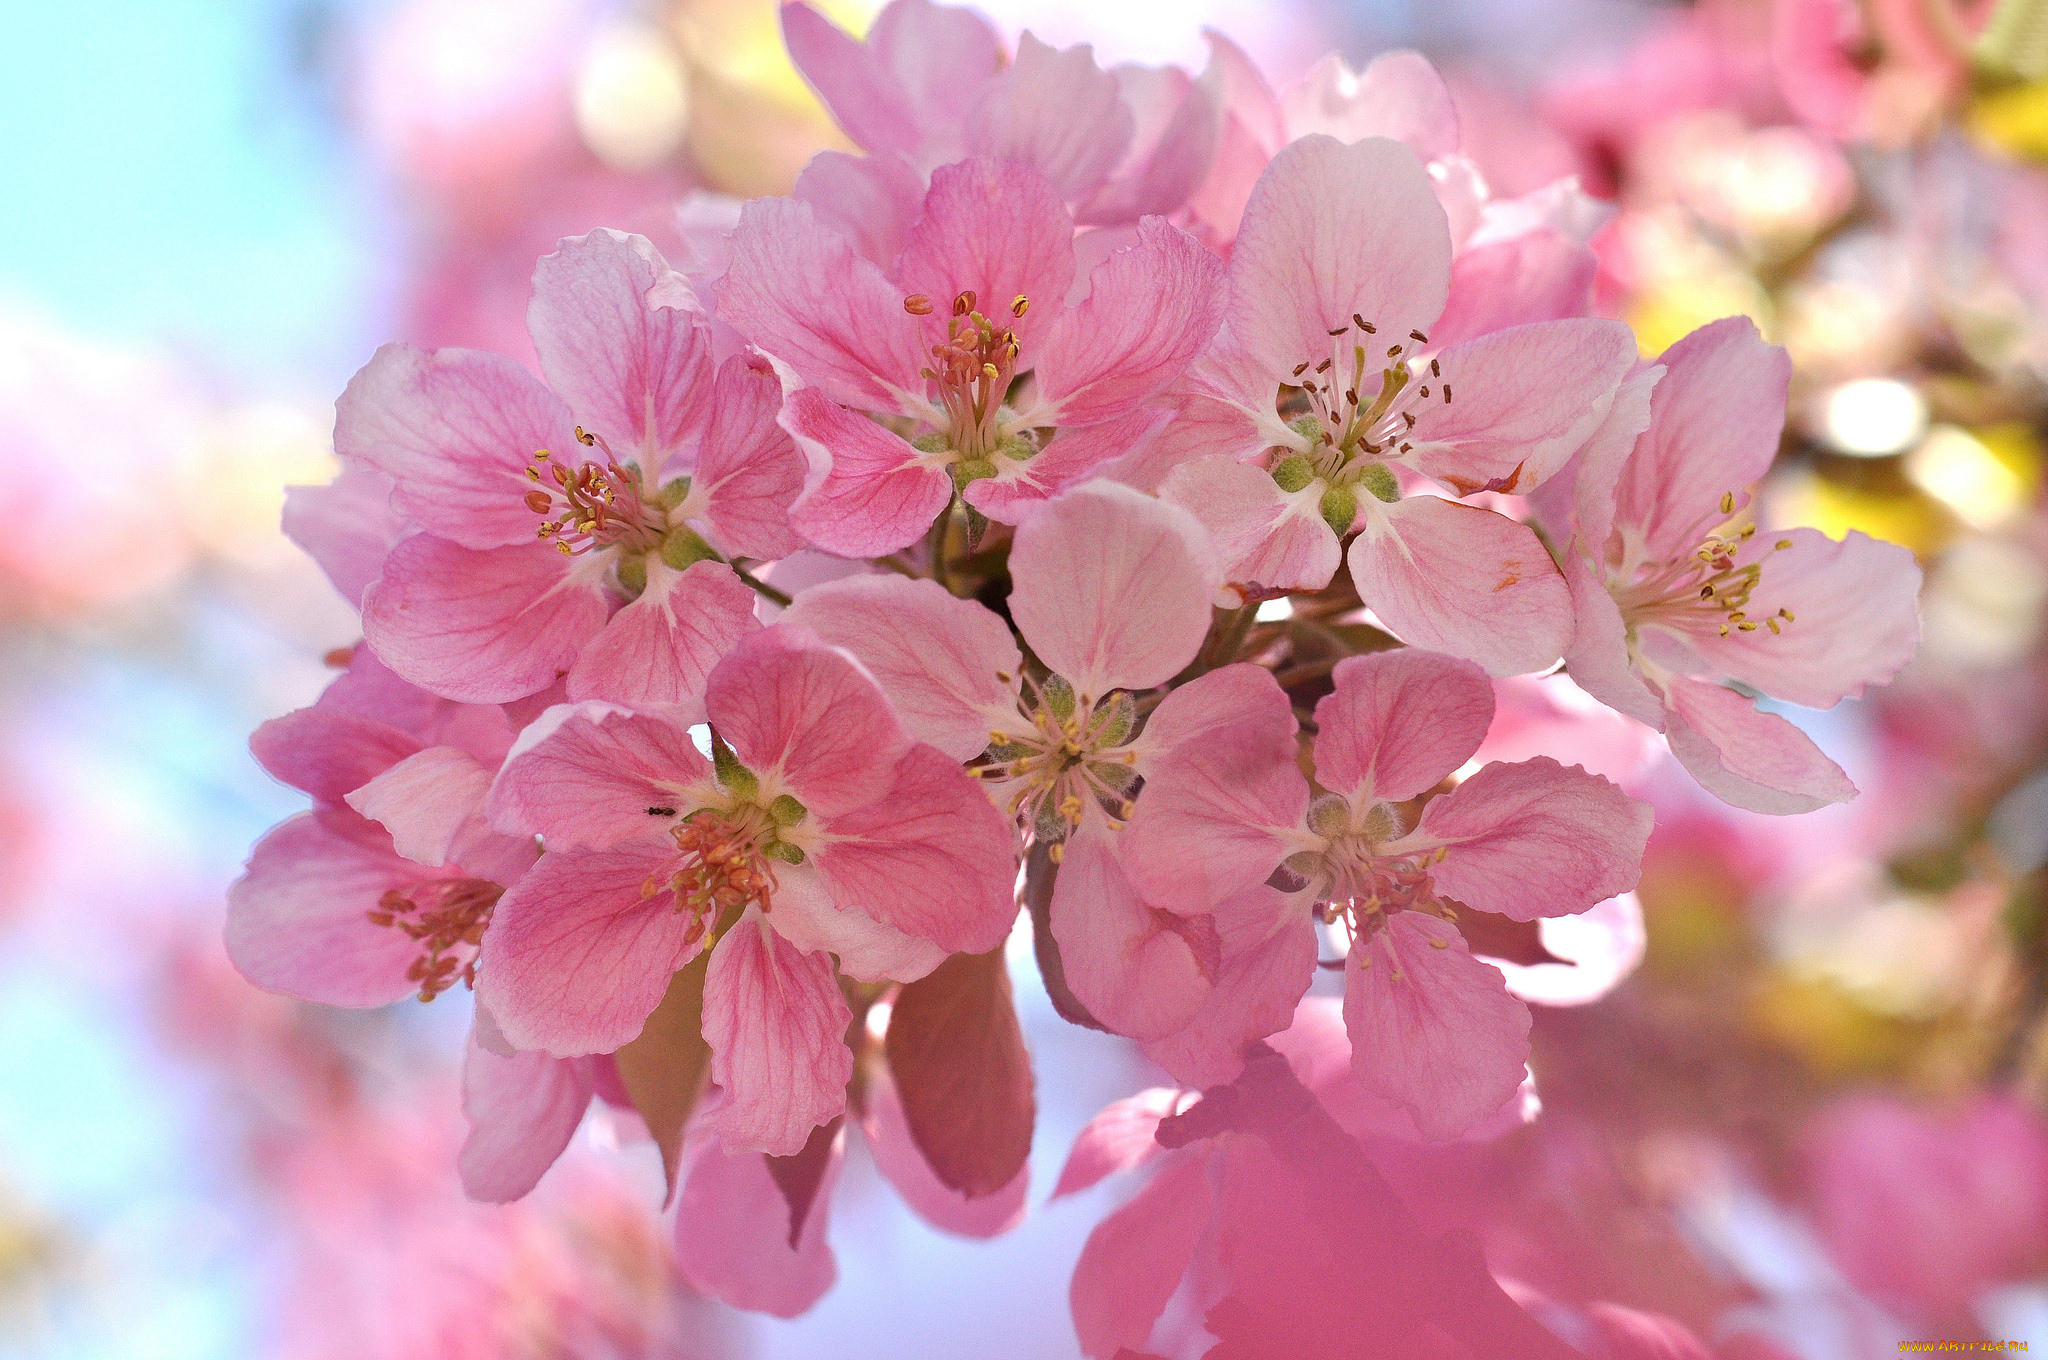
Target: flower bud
{"x": 1292, "y": 474}
{"x": 1340, "y": 508}
{"x": 1378, "y": 478}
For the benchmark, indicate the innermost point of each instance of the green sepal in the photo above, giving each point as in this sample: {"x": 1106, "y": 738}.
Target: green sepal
{"x": 684, "y": 548}
{"x": 1378, "y": 478}
{"x": 735, "y": 778}
{"x": 1292, "y": 474}
{"x": 787, "y": 811}
{"x": 1340, "y": 508}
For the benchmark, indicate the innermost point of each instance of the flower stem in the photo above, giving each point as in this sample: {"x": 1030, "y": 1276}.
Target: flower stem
{"x": 762, "y": 588}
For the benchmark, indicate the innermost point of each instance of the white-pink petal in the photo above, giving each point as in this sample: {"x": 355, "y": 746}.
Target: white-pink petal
{"x": 583, "y": 776}
{"x": 522, "y": 1111}
{"x": 1399, "y": 722}
{"x": 1265, "y": 537}
{"x": 660, "y": 649}
{"x": 1746, "y": 757}
{"x": 1118, "y": 1138}
{"x": 776, "y": 1023}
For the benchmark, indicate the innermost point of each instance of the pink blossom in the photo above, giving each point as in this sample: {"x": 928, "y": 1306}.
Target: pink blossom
{"x": 909, "y": 370}
{"x": 1674, "y": 586}
{"x": 1111, "y": 591}
{"x": 1323, "y": 382}
{"x": 1434, "y": 1029}
{"x": 388, "y": 887}
{"x": 932, "y": 84}
{"x": 532, "y": 565}
{"x": 820, "y": 828}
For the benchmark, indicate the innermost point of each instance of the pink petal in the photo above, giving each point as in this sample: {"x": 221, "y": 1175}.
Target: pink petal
{"x": 327, "y": 751}
{"x": 748, "y": 470}
{"x": 939, "y": 658}
{"x": 1056, "y": 112}
{"x": 576, "y": 959}
{"x": 1715, "y": 420}
{"x": 660, "y": 648}
{"x": 1112, "y": 588}
{"x": 1595, "y": 472}
{"x": 1534, "y": 839}
{"x": 1077, "y": 453}
{"x": 1267, "y": 537}
{"x": 1454, "y": 578}
{"x": 455, "y": 430}
{"x": 1332, "y": 231}
{"x": 1526, "y": 399}
{"x": 732, "y": 1229}
{"x": 1398, "y": 723}
{"x": 876, "y": 493}
{"x": 865, "y": 97}
{"x": 369, "y": 689}
{"x": 1228, "y": 404}
{"x": 1598, "y": 657}
{"x": 432, "y": 804}
{"x": 522, "y": 1111}
{"x": 1432, "y": 1028}
{"x": 942, "y": 55}
{"x": 1134, "y": 1259}
{"x": 867, "y": 950}
{"x": 1221, "y": 789}
{"x": 1551, "y": 716}
{"x": 997, "y": 229}
{"x": 632, "y": 370}
{"x": 1400, "y": 95}
{"x": 776, "y": 1024}
{"x": 1269, "y": 960}
{"x": 1177, "y": 122}
{"x": 1132, "y": 965}
{"x": 870, "y": 200}
{"x": 1855, "y": 617}
{"x": 1117, "y": 1139}
{"x": 807, "y": 714}
{"x": 1542, "y": 275}
{"x": 1151, "y": 309}
{"x": 1600, "y": 948}
{"x": 802, "y": 293}
{"x": 1747, "y": 758}
{"x": 582, "y": 776}
{"x": 931, "y": 856}
{"x": 347, "y": 526}
{"x": 903, "y": 1166}
{"x": 298, "y": 916}
{"x": 483, "y": 626}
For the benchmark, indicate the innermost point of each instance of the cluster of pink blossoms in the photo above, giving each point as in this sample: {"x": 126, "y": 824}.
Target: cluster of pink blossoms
{"x": 1114, "y": 495}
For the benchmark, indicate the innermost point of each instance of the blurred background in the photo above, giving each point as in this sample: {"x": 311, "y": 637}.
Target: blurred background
{"x": 1809, "y": 1127}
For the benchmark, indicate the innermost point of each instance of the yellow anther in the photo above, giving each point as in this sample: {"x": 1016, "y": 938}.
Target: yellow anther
{"x": 1727, "y": 502}
{"x": 1057, "y": 853}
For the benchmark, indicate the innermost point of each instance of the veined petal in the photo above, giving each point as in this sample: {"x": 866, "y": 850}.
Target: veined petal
{"x": 1454, "y": 578}
{"x": 484, "y": 626}
{"x": 997, "y": 229}
{"x": 931, "y": 857}
{"x": 631, "y": 369}
{"x": 455, "y": 430}
{"x": 732, "y": 1227}
{"x": 1151, "y": 309}
{"x": 1112, "y": 588}
{"x": 939, "y": 658}
{"x": 1334, "y": 231}
{"x": 776, "y": 1024}
{"x": 802, "y": 293}
{"x": 1715, "y": 420}
{"x": 576, "y": 959}
{"x": 1269, "y": 960}
{"x": 298, "y": 917}
{"x": 1134, "y": 966}
{"x": 865, "y": 97}
{"x": 941, "y": 55}
{"x": 347, "y": 526}
{"x": 1747, "y": 758}
{"x": 1397, "y": 723}
{"x": 1118, "y": 1138}
{"x": 748, "y": 470}
{"x": 1527, "y": 399}
{"x": 806, "y": 713}
{"x": 1432, "y": 1028}
{"x": 869, "y": 492}
{"x": 1598, "y": 657}
{"x": 1855, "y": 617}
{"x": 1535, "y": 839}
{"x": 1266, "y": 537}
{"x": 328, "y": 751}
{"x": 870, "y": 200}
{"x": 583, "y": 776}
{"x": 1134, "y": 1259}
{"x": 867, "y": 950}
{"x": 1399, "y": 95}
{"x": 659, "y": 650}
{"x": 1077, "y": 453}
{"x": 1541, "y": 275}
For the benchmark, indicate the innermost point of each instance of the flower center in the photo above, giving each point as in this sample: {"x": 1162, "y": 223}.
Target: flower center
{"x": 447, "y": 918}
{"x": 591, "y": 506}
{"x": 722, "y": 865}
{"x": 970, "y": 373}
{"x": 1708, "y": 584}
{"x": 1071, "y": 752}
{"x": 1353, "y": 419}
{"x": 1354, "y": 880}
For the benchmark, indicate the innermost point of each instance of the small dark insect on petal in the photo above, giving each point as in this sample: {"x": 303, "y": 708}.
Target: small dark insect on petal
{"x": 661, "y": 812}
